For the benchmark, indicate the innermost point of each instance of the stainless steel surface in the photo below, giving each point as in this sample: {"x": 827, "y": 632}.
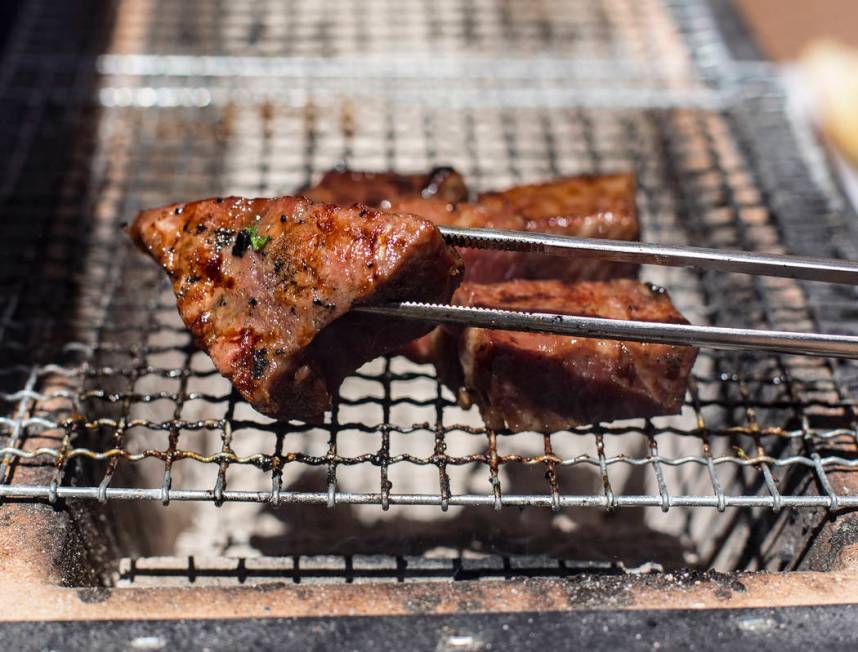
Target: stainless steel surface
{"x": 352, "y": 498}
{"x": 811, "y": 269}
{"x": 731, "y": 339}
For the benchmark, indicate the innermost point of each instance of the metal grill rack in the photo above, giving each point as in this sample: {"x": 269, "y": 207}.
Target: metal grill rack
{"x": 105, "y": 397}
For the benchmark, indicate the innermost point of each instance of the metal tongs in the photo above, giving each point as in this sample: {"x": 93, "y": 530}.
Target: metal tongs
{"x": 810, "y": 269}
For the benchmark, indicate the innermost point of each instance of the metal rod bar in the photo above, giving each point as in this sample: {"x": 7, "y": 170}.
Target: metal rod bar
{"x": 827, "y": 270}
{"x": 259, "y": 458}
{"x": 18, "y": 426}
{"x": 321, "y": 498}
{"x": 740, "y": 339}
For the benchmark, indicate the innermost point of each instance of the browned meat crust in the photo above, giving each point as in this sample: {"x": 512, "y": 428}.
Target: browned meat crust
{"x": 541, "y": 382}
{"x": 575, "y": 197}
{"x": 586, "y": 206}
{"x": 266, "y": 285}
{"x": 597, "y": 206}
{"x": 346, "y": 187}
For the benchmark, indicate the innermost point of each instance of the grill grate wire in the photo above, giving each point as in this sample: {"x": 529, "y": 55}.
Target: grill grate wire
{"x": 99, "y": 377}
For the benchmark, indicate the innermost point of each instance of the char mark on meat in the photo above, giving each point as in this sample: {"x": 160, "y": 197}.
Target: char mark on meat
{"x": 589, "y": 206}
{"x": 266, "y": 287}
{"x": 346, "y": 187}
{"x": 543, "y": 382}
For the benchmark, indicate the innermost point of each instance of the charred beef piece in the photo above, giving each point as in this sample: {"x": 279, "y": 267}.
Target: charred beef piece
{"x": 266, "y": 285}
{"x": 481, "y": 265}
{"x": 575, "y": 197}
{"x": 599, "y": 206}
{"x": 541, "y": 382}
{"x": 346, "y": 187}
{"x": 586, "y": 206}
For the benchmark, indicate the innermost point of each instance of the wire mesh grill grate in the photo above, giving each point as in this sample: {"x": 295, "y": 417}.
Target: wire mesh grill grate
{"x": 105, "y": 396}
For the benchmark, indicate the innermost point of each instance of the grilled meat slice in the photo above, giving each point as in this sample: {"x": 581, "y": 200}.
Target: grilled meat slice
{"x": 481, "y": 265}
{"x": 586, "y": 206}
{"x": 346, "y": 187}
{"x": 575, "y": 197}
{"x": 542, "y": 382}
{"x": 265, "y": 286}
{"x": 598, "y": 206}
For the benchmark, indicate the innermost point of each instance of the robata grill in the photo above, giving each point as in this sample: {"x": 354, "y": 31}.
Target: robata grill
{"x": 137, "y": 487}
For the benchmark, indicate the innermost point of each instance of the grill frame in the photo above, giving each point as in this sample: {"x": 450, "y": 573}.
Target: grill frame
{"x": 712, "y": 93}
{"x": 685, "y": 609}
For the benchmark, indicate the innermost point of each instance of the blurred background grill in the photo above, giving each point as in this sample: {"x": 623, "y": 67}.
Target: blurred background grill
{"x": 105, "y": 397}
